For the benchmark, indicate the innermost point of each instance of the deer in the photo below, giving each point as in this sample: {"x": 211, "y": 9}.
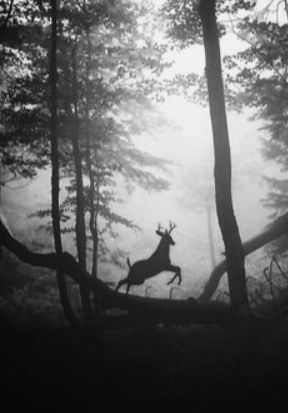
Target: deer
{"x": 159, "y": 261}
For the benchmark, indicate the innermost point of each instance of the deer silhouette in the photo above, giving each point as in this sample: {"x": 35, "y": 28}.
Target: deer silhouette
{"x": 159, "y": 261}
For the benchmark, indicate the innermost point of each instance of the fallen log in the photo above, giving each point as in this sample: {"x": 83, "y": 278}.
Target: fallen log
{"x": 144, "y": 308}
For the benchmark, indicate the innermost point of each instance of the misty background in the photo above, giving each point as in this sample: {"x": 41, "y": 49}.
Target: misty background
{"x": 185, "y": 140}
{"x": 191, "y": 191}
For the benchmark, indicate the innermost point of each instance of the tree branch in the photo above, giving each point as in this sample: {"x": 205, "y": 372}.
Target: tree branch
{"x": 274, "y": 230}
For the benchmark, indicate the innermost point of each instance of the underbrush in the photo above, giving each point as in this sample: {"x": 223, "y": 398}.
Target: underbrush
{"x": 29, "y": 295}
{"x": 45, "y": 365}
{"x": 194, "y": 366}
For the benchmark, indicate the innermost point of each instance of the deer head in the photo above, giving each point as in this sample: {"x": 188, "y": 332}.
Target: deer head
{"x": 166, "y": 233}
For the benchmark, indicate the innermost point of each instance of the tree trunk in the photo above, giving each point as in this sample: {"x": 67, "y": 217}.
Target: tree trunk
{"x": 94, "y": 271}
{"x": 55, "y": 167}
{"x": 80, "y": 206}
{"x": 210, "y": 234}
{"x": 222, "y": 171}
{"x": 93, "y": 221}
{"x": 96, "y": 230}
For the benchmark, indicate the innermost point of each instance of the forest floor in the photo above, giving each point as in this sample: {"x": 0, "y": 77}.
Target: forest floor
{"x": 46, "y": 366}
{"x": 202, "y": 367}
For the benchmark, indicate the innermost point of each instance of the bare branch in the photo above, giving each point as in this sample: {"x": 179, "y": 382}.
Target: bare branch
{"x": 279, "y": 268}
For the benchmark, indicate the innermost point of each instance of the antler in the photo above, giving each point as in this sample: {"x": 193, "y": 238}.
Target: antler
{"x": 159, "y": 227}
{"x": 171, "y": 226}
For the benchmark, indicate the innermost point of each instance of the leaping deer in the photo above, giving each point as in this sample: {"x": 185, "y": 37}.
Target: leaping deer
{"x": 158, "y": 262}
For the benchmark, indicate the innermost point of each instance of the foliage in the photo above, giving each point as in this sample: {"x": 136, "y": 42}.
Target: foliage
{"x": 29, "y": 296}
{"x": 184, "y": 21}
{"x": 258, "y": 79}
{"x": 184, "y": 29}
{"x": 108, "y": 68}
{"x": 255, "y": 77}
{"x": 23, "y": 97}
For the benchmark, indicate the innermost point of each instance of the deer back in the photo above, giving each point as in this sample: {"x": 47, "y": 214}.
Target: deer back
{"x": 161, "y": 256}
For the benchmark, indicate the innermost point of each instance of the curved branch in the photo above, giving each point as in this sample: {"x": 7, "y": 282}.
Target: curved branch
{"x": 274, "y": 230}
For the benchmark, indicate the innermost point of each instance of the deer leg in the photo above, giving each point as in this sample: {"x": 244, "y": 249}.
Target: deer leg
{"x": 177, "y": 271}
{"x": 128, "y": 287}
{"x": 122, "y": 282}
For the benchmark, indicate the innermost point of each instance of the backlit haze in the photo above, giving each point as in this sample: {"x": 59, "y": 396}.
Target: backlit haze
{"x": 188, "y": 143}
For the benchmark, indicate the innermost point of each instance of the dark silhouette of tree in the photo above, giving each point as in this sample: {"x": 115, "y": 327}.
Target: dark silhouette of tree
{"x": 222, "y": 171}
{"x": 80, "y": 207}
{"x": 55, "y": 209}
{"x": 189, "y": 21}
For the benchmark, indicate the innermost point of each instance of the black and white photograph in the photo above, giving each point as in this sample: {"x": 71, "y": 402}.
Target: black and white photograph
{"x": 143, "y": 205}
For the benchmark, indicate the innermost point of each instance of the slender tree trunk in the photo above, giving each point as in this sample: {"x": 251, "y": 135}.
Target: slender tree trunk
{"x": 80, "y": 206}
{"x": 92, "y": 210}
{"x": 94, "y": 271}
{"x": 93, "y": 221}
{"x": 55, "y": 166}
{"x": 222, "y": 171}
{"x": 95, "y": 231}
{"x": 210, "y": 234}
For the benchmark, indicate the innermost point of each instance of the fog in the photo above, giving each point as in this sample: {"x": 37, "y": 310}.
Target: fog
{"x": 188, "y": 144}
